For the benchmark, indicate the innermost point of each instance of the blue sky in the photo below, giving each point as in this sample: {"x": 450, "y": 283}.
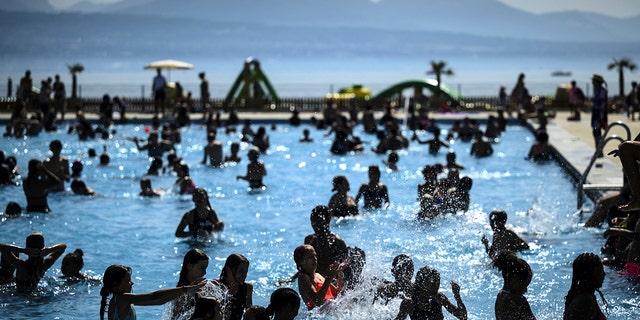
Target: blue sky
{"x": 615, "y": 8}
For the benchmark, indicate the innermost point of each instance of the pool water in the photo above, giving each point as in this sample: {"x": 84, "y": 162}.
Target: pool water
{"x": 119, "y": 227}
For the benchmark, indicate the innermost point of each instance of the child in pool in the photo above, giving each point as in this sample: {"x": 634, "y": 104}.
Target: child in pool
{"x": 194, "y": 267}
{"x": 232, "y": 278}
{"x": 511, "y": 304}
{"x": 503, "y": 238}
{"x": 587, "y": 278}
{"x": 146, "y": 190}
{"x": 392, "y": 161}
{"x": 375, "y": 193}
{"x": 341, "y": 203}
{"x": 255, "y": 170}
{"x": 284, "y": 304}
{"x": 426, "y": 302}
{"x": 306, "y": 136}
{"x": 80, "y": 188}
{"x": 402, "y": 270}
{"x": 36, "y": 186}
{"x": 58, "y": 165}
{"x": 233, "y": 156}
{"x": 207, "y": 308}
{"x": 72, "y": 263}
{"x": 117, "y": 282}
{"x": 315, "y": 289}
{"x": 30, "y": 271}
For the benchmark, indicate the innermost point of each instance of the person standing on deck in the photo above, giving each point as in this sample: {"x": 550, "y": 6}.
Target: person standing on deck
{"x": 599, "y": 112}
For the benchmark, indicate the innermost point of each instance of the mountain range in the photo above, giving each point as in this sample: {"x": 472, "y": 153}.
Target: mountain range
{"x": 305, "y": 29}
{"x": 474, "y": 17}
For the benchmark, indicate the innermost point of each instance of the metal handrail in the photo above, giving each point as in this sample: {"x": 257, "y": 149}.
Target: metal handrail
{"x": 598, "y": 151}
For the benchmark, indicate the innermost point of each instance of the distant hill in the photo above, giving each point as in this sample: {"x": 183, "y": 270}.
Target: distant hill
{"x": 123, "y": 36}
{"x": 473, "y": 17}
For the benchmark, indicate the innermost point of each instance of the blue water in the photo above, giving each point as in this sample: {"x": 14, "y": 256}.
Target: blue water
{"x": 118, "y": 227}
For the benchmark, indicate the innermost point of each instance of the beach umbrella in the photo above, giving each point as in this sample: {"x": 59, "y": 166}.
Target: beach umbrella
{"x": 169, "y": 65}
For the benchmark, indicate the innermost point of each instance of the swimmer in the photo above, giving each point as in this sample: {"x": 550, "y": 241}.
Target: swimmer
{"x": 146, "y": 190}
{"x": 117, "y": 282}
{"x": 306, "y": 136}
{"x": 284, "y": 304}
{"x": 374, "y": 192}
{"x": 315, "y": 289}
{"x": 72, "y": 264}
{"x": 233, "y": 156}
{"x": 480, "y": 147}
{"x": 36, "y": 186}
{"x": 503, "y": 238}
{"x": 426, "y": 302}
{"x": 232, "y": 278}
{"x": 40, "y": 259}
{"x": 516, "y": 274}
{"x": 58, "y": 165}
{"x": 255, "y": 170}
{"x": 194, "y": 267}
{"x": 392, "y": 161}
{"x": 342, "y": 204}
{"x": 213, "y": 151}
{"x": 80, "y": 188}
{"x": 402, "y": 271}
{"x": 587, "y": 278}
{"x": 202, "y": 221}
{"x": 207, "y": 308}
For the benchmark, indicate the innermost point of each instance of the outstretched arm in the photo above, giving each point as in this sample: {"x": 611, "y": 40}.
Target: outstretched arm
{"x": 161, "y": 296}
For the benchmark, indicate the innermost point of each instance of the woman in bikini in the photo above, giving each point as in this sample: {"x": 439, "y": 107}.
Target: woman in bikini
{"x": 201, "y": 221}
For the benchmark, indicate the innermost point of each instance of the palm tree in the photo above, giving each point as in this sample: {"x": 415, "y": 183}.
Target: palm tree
{"x": 74, "y": 69}
{"x": 620, "y": 65}
{"x": 440, "y": 68}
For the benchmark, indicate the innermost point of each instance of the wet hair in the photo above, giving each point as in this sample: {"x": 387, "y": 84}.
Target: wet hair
{"x": 374, "y": 168}
{"x": 253, "y": 152}
{"x": 403, "y": 261}
{"x": 393, "y": 157}
{"x": 76, "y": 168}
{"x": 77, "y": 185}
{"x": 498, "y": 215}
{"x": 320, "y": 215}
{"x": 235, "y": 146}
{"x": 35, "y": 240}
{"x": 70, "y": 260}
{"x": 12, "y": 209}
{"x": 33, "y": 169}
{"x": 192, "y": 256}
{"x": 112, "y": 276}
{"x": 233, "y": 261}
{"x": 465, "y": 183}
{"x": 584, "y": 267}
{"x": 337, "y": 180}
{"x": 301, "y": 251}
{"x": 205, "y": 306}
{"x": 426, "y": 276}
{"x": 511, "y": 266}
{"x": 92, "y": 152}
{"x": 259, "y": 312}
{"x": 281, "y": 298}
{"x": 55, "y": 144}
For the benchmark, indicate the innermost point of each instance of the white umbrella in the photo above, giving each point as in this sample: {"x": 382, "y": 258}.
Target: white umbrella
{"x": 169, "y": 65}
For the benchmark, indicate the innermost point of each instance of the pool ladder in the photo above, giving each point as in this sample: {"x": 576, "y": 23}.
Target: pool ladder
{"x": 582, "y": 185}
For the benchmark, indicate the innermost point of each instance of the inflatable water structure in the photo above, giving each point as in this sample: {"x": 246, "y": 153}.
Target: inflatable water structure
{"x": 251, "y": 86}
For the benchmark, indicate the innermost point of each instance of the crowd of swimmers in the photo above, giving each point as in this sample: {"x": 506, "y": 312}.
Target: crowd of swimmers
{"x": 326, "y": 266}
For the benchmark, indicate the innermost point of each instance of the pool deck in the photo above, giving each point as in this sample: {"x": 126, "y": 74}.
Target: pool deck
{"x": 572, "y": 139}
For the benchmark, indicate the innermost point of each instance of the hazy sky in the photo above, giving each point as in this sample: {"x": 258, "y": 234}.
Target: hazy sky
{"x": 616, "y": 8}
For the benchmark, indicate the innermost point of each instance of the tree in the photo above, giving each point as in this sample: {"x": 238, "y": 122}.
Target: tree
{"x": 620, "y": 65}
{"x": 440, "y": 68}
{"x": 74, "y": 69}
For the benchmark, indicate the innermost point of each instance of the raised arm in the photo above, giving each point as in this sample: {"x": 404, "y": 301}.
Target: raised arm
{"x": 52, "y": 254}
{"x": 459, "y": 311}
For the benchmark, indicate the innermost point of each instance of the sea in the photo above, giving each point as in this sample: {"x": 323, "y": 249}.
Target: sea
{"x": 315, "y": 77}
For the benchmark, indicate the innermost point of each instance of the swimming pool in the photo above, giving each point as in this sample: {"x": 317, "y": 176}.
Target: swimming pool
{"x": 119, "y": 227}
